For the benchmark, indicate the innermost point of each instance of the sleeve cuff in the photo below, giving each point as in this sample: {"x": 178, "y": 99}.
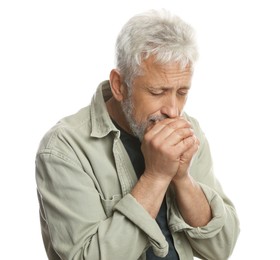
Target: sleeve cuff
{"x": 130, "y": 208}
{"x": 212, "y": 228}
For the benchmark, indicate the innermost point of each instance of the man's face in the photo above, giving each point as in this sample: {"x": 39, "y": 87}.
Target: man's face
{"x": 160, "y": 92}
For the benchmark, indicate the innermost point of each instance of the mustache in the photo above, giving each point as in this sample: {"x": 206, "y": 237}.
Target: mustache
{"x": 156, "y": 118}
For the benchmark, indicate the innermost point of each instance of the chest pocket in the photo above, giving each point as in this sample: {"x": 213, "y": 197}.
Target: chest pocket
{"x": 108, "y": 204}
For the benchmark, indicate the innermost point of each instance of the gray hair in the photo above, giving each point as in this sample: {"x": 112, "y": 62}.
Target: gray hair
{"x": 165, "y": 36}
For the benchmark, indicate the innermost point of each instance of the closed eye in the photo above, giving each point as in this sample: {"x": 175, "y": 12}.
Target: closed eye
{"x": 157, "y": 93}
{"x": 161, "y": 91}
{"x": 183, "y": 92}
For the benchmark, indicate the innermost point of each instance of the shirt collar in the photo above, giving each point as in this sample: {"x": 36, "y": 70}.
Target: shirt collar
{"x": 101, "y": 123}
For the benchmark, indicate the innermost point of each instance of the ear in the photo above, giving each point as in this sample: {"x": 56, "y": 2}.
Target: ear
{"x": 117, "y": 87}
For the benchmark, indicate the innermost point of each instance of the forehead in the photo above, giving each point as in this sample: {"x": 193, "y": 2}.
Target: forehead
{"x": 170, "y": 73}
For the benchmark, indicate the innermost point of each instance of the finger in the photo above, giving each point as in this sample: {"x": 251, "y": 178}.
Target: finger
{"x": 176, "y": 131}
{"x": 167, "y": 126}
{"x": 191, "y": 141}
{"x": 189, "y": 145}
{"x": 179, "y": 135}
{"x": 156, "y": 126}
{"x": 179, "y": 122}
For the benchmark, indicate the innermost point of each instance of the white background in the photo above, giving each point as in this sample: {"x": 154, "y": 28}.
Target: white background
{"x": 53, "y": 54}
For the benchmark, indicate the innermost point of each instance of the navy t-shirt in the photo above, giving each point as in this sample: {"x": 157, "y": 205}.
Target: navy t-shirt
{"x": 133, "y": 148}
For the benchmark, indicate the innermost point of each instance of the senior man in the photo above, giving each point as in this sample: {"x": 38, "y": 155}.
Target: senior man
{"x": 130, "y": 176}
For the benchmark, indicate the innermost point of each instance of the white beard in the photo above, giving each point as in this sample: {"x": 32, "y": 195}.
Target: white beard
{"x": 138, "y": 129}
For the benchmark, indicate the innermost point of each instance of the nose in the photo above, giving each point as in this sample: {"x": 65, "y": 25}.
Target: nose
{"x": 170, "y": 107}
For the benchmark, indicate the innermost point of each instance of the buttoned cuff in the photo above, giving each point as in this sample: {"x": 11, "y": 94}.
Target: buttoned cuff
{"x": 130, "y": 208}
{"x": 215, "y": 225}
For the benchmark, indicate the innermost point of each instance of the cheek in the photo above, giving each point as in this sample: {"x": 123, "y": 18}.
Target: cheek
{"x": 181, "y": 105}
{"x": 143, "y": 110}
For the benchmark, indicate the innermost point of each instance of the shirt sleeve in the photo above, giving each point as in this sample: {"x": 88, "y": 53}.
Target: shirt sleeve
{"x": 74, "y": 222}
{"x": 217, "y": 239}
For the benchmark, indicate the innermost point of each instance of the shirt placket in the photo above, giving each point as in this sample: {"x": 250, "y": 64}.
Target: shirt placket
{"x": 126, "y": 174}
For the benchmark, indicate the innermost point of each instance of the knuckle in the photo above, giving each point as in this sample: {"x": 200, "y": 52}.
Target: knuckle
{"x": 146, "y": 139}
{"x": 173, "y": 125}
{"x": 154, "y": 142}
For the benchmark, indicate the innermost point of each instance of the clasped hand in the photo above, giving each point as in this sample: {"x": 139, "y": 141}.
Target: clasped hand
{"x": 168, "y": 148}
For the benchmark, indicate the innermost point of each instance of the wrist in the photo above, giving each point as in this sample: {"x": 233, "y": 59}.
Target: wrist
{"x": 157, "y": 179}
{"x": 149, "y": 191}
{"x": 183, "y": 181}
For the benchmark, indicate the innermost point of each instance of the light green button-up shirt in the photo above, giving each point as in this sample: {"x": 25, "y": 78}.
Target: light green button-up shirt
{"x": 84, "y": 178}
